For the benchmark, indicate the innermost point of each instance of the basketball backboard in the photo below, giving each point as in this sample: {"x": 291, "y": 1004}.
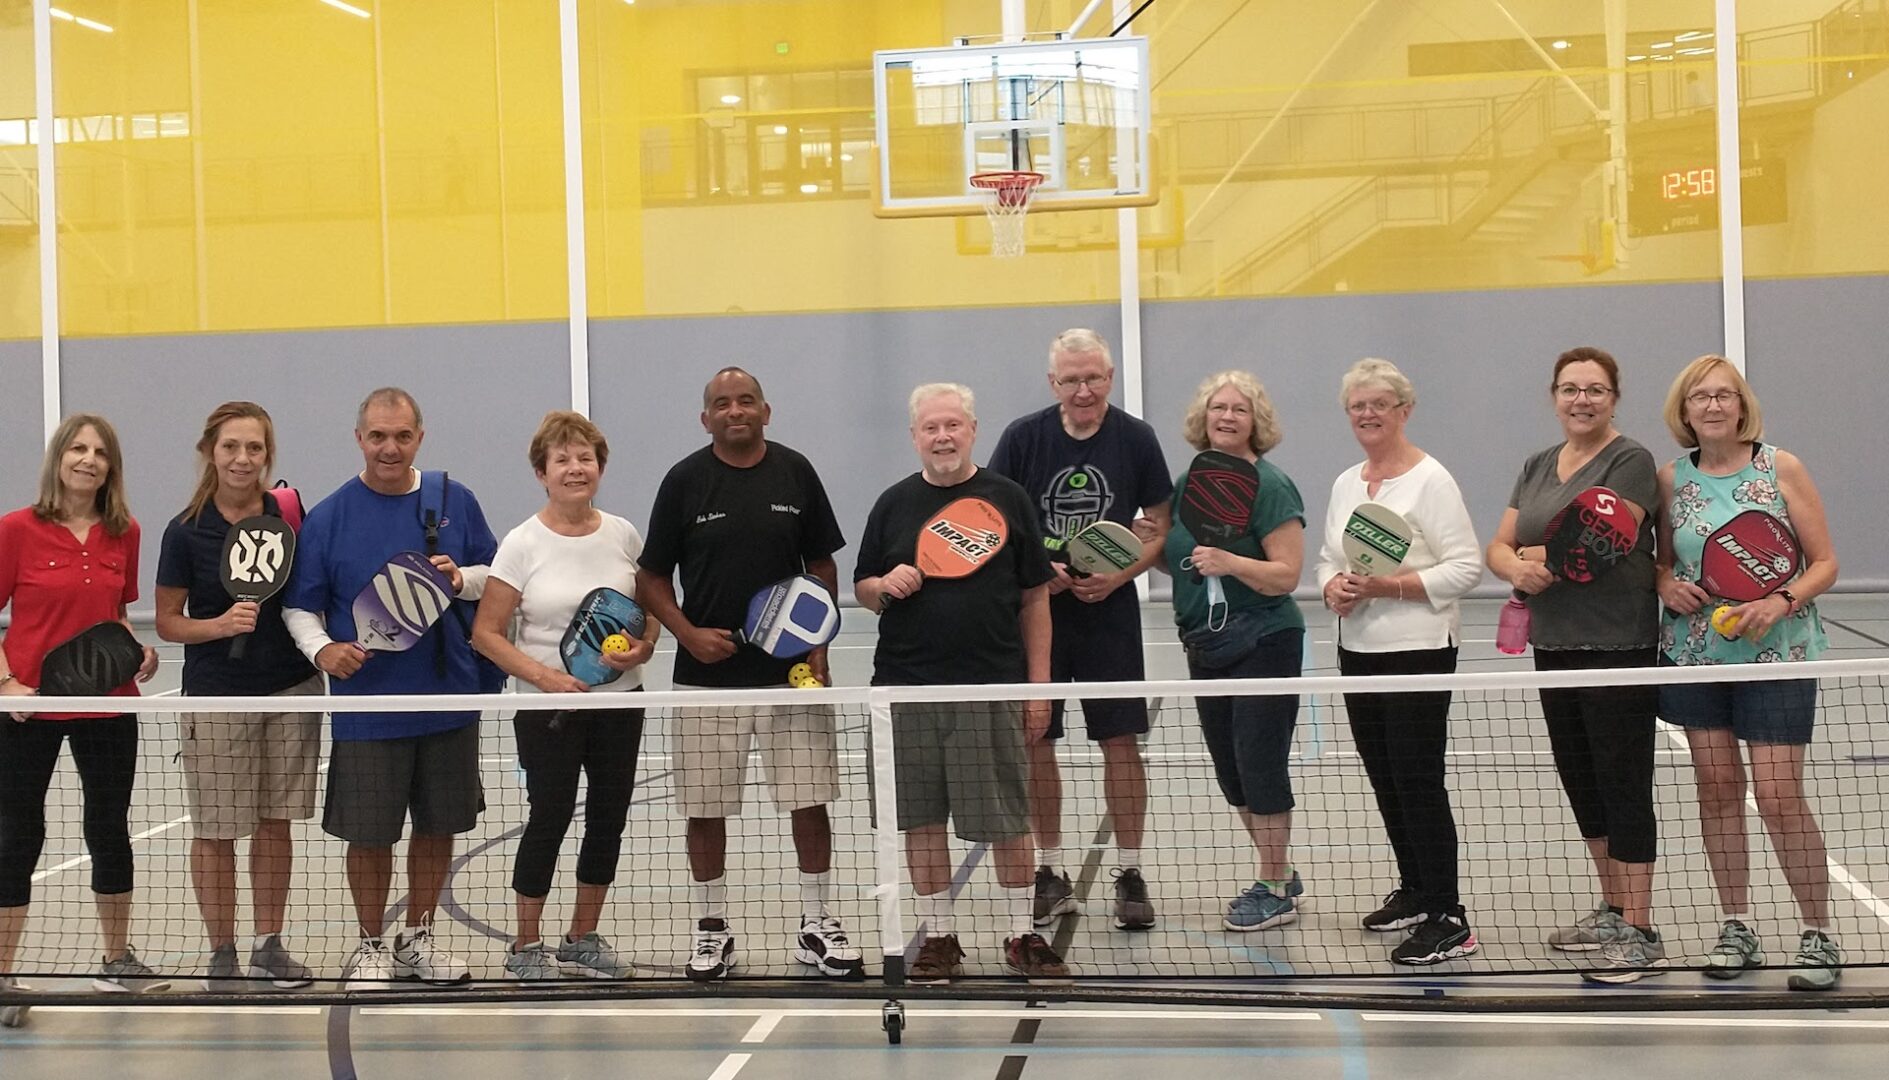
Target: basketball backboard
{"x": 1075, "y": 111}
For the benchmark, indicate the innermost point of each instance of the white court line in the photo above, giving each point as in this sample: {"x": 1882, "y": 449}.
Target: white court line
{"x": 764, "y": 1026}
{"x": 729, "y": 1067}
{"x": 1221, "y": 1015}
{"x": 1620, "y": 1021}
{"x": 1838, "y": 872}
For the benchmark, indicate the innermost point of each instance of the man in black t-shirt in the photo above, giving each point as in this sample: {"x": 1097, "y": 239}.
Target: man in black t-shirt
{"x": 960, "y": 762}
{"x": 1082, "y": 462}
{"x": 735, "y": 517}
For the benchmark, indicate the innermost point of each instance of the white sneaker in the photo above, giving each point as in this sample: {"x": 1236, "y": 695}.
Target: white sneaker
{"x": 416, "y": 957}
{"x": 371, "y": 967}
{"x": 823, "y": 944}
{"x": 714, "y": 955}
{"x": 12, "y": 1016}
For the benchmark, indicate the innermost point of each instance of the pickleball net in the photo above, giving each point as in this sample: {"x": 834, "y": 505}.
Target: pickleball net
{"x": 1524, "y": 870}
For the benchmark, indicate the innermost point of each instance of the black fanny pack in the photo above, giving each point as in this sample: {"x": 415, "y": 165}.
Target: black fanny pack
{"x": 1221, "y": 649}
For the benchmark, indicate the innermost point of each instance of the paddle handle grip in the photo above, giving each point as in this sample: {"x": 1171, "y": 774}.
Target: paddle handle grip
{"x": 238, "y": 646}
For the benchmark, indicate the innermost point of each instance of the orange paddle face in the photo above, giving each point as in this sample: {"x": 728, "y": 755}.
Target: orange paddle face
{"x": 961, "y": 538}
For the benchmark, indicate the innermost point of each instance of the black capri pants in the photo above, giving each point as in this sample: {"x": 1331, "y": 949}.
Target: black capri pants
{"x": 105, "y": 750}
{"x": 1401, "y": 739}
{"x": 1250, "y": 737}
{"x": 600, "y": 743}
{"x": 1602, "y": 738}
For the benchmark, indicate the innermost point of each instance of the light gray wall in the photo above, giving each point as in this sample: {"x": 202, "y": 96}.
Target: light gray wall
{"x": 22, "y": 430}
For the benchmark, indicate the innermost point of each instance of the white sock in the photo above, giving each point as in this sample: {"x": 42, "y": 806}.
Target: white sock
{"x": 814, "y": 889}
{"x": 1051, "y": 857}
{"x": 1128, "y": 858}
{"x": 935, "y": 913}
{"x": 1021, "y": 902}
{"x": 711, "y": 899}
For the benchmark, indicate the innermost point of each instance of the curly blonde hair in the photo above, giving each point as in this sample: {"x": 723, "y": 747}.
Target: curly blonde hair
{"x": 1265, "y": 434}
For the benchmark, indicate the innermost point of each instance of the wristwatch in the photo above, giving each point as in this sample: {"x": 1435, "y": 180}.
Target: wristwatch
{"x": 1790, "y": 601}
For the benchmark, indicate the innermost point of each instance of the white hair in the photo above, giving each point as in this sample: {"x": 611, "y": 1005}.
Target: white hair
{"x": 939, "y": 389}
{"x": 1382, "y": 372}
{"x": 1080, "y": 342}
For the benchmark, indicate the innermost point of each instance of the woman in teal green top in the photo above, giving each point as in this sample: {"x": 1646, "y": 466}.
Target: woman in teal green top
{"x": 1713, "y": 412}
{"x": 1263, "y": 636}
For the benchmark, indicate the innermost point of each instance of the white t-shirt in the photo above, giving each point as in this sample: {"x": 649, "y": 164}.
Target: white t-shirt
{"x": 1443, "y": 552}
{"x": 554, "y": 573}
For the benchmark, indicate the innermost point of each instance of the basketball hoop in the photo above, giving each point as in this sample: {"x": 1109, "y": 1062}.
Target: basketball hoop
{"x": 1010, "y": 201}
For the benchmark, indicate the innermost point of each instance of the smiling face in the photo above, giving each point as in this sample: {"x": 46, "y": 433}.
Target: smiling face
{"x": 1377, "y": 417}
{"x": 240, "y": 456}
{"x": 85, "y": 464}
{"x": 390, "y": 439}
{"x": 1714, "y": 407}
{"x": 1584, "y": 399}
{"x": 733, "y": 412}
{"x": 943, "y": 434}
{"x": 1230, "y": 422}
{"x": 571, "y": 472}
{"x": 1081, "y": 381}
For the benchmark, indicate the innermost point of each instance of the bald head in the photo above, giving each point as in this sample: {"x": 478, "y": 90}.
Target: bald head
{"x": 731, "y": 380}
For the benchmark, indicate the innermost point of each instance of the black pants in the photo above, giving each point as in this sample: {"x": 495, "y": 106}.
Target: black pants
{"x": 1401, "y": 738}
{"x": 600, "y": 743}
{"x": 1602, "y": 737}
{"x": 105, "y": 750}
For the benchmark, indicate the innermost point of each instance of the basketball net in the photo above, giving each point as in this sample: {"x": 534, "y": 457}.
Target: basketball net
{"x": 1010, "y": 194}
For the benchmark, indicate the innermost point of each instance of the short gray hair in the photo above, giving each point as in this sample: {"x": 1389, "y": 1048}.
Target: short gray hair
{"x": 931, "y": 390}
{"x": 1372, "y": 370}
{"x": 1078, "y": 341}
{"x": 388, "y": 395}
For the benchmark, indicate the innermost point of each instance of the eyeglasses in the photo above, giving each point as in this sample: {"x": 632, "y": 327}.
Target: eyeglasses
{"x": 1359, "y": 408}
{"x": 1072, "y": 382}
{"x": 1699, "y": 399}
{"x": 1569, "y": 391}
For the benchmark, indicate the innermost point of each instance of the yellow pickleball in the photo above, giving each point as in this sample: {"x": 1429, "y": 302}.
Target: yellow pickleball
{"x": 1725, "y": 622}
{"x": 615, "y": 643}
{"x": 799, "y": 672}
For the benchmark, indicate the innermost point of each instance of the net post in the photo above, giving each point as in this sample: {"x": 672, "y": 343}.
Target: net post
{"x": 885, "y": 835}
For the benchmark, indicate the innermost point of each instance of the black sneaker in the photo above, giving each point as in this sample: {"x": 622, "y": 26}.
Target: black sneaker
{"x": 1438, "y": 938}
{"x": 1400, "y": 911}
{"x": 1133, "y": 909}
{"x": 1054, "y": 896}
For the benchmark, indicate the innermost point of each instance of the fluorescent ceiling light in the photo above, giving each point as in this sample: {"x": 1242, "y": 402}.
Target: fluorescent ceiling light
{"x": 1561, "y": 44}
{"x": 1693, "y": 35}
{"x": 810, "y": 189}
{"x": 846, "y": 157}
{"x": 731, "y": 99}
{"x": 1662, "y": 44}
{"x": 89, "y": 24}
{"x": 1631, "y": 59}
{"x": 349, "y": 8}
{"x": 780, "y": 129}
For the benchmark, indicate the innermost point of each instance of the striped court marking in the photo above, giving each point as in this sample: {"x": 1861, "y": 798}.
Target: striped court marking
{"x": 730, "y": 1065}
{"x": 1622, "y": 1021}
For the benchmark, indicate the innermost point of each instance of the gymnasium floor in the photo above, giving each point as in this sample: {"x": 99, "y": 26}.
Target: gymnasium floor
{"x": 1522, "y": 871}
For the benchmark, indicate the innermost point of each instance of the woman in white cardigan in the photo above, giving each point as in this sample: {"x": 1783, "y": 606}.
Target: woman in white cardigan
{"x": 1400, "y": 624}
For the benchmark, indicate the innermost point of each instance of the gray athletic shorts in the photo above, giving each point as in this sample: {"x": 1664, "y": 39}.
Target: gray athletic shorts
{"x": 963, "y": 762}
{"x": 373, "y": 783}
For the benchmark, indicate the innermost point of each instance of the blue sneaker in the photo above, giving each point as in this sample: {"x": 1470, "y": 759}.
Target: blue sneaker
{"x": 1259, "y": 908}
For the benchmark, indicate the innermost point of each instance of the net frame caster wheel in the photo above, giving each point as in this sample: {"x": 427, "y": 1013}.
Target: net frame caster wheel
{"x": 892, "y": 1020}
{"x": 14, "y": 1016}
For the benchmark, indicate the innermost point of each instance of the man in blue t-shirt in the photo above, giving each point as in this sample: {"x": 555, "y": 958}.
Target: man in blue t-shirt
{"x": 383, "y": 764}
{"x": 1082, "y": 462}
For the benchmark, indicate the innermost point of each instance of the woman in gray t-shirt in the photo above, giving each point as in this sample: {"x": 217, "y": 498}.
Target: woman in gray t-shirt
{"x": 1602, "y": 736}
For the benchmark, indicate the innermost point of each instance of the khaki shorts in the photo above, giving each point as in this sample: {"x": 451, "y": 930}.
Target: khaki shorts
{"x": 799, "y": 756}
{"x": 246, "y": 768}
{"x": 963, "y": 762}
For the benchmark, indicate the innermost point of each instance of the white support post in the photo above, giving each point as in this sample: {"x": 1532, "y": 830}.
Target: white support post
{"x": 887, "y": 849}
{"x": 1128, "y": 255}
{"x": 576, "y": 267}
{"x": 1016, "y": 21}
{"x": 48, "y": 216}
{"x": 1731, "y": 192}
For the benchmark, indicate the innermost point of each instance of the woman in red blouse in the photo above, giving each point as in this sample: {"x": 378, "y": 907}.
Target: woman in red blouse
{"x": 69, "y": 562}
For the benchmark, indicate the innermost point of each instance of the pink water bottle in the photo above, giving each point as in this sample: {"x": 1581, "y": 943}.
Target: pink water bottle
{"x": 1511, "y": 629}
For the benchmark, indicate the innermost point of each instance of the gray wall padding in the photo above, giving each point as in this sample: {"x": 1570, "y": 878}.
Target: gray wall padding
{"x": 22, "y": 428}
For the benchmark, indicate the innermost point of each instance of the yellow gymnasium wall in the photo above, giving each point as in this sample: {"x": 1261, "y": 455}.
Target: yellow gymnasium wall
{"x": 276, "y": 164}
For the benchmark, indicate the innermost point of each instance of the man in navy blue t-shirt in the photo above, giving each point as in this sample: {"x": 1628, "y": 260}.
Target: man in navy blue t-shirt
{"x": 383, "y": 765}
{"x": 1083, "y": 462}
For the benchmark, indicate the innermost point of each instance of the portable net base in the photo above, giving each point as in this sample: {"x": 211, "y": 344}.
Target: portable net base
{"x": 1009, "y": 204}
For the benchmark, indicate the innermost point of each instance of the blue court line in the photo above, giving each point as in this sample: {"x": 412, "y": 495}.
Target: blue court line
{"x": 1351, "y": 1048}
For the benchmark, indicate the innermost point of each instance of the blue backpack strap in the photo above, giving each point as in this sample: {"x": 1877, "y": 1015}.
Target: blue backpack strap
{"x": 432, "y": 506}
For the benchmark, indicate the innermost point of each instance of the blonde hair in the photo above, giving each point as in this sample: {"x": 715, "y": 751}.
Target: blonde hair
{"x": 1372, "y": 370}
{"x": 1265, "y": 434}
{"x": 562, "y": 427}
{"x": 930, "y": 390}
{"x": 1079, "y": 341}
{"x": 206, "y": 452}
{"x": 113, "y": 512}
{"x": 1750, "y": 417}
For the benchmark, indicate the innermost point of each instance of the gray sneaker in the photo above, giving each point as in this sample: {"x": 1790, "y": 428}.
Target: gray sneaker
{"x": 128, "y": 975}
{"x": 224, "y": 976}
{"x": 1819, "y": 963}
{"x": 1629, "y": 959}
{"x": 1054, "y": 896}
{"x": 1133, "y": 909}
{"x": 271, "y": 960}
{"x": 1737, "y": 950}
{"x": 591, "y": 957}
{"x": 1590, "y": 932}
{"x": 12, "y": 1016}
{"x": 532, "y": 963}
